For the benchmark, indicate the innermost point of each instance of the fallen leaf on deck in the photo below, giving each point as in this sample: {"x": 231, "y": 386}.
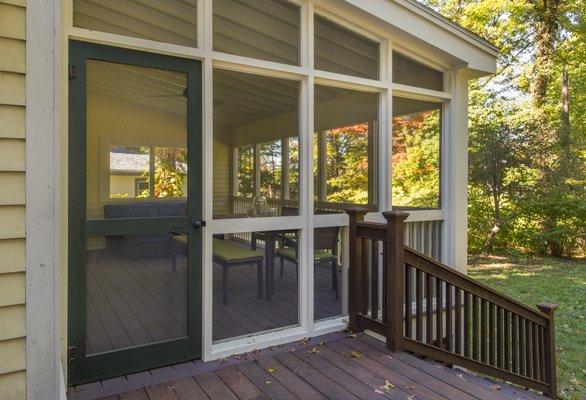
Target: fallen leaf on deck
{"x": 313, "y": 350}
{"x": 495, "y": 387}
{"x": 271, "y": 370}
{"x": 304, "y": 341}
{"x": 353, "y": 336}
{"x": 460, "y": 376}
{"x": 355, "y": 354}
{"x": 268, "y": 382}
{"x": 410, "y": 387}
{"x": 223, "y": 360}
{"x": 321, "y": 343}
{"x": 412, "y": 397}
{"x": 386, "y": 388}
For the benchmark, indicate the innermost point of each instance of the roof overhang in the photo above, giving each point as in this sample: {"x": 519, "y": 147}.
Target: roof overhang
{"x": 418, "y": 28}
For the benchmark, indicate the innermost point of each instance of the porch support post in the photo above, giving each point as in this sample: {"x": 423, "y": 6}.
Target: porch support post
{"x": 355, "y": 268}
{"x": 549, "y": 345}
{"x": 454, "y": 172}
{"x": 395, "y": 277}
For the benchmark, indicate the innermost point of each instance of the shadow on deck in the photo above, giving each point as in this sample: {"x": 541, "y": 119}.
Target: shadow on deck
{"x": 335, "y": 366}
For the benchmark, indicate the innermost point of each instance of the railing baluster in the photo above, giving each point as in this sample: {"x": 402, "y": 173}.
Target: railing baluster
{"x": 542, "y": 353}
{"x": 384, "y": 279}
{"x": 522, "y": 347}
{"x": 529, "y": 348}
{"x": 364, "y": 264}
{"x": 491, "y": 334}
{"x": 499, "y": 336}
{"x": 507, "y": 327}
{"x": 374, "y": 279}
{"x": 515, "y": 343}
{"x": 439, "y": 315}
{"x": 475, "y": 328}
{"x": 355, "y": 271}
{"x": 458, "y": 329}
{"x": 429, "y": 309}
{"x": 408, "y": 301}
{"x": 419, "y": 304}
{"x": 535, "y": 351}
{"x": 467, "y": 332}
{"x": 449, "y": 321}
{"x": 484, "y": 331}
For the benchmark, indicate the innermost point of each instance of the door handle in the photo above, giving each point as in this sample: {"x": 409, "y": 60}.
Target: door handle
{"x": 198, "y": 223}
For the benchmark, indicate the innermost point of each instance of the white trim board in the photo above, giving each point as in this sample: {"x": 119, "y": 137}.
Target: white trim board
{"x": 43, "y": 366}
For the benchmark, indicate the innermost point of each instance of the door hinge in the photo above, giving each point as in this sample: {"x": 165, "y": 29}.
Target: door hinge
{"x": 72, "y": 71}
{"x": 72, "y": 353}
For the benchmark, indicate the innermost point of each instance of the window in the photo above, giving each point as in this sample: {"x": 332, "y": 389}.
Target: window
{"x": 416, "y": 153}
{"x": 343, "y": 51}
{"x": 256, "y": 145}
{"x": 410, "y": 72}
{"x": 132, "y": 168}
{"x": 169, "y": 21}
{"x": 344, "y": 149}
{"x": 263, "y": 29}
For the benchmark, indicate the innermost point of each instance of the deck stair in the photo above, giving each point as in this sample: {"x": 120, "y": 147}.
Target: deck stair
{"x": 427, "y": 308}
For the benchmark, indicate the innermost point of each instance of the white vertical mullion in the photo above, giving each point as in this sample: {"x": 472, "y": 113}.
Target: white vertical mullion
{"x": 284, "y": 168}
{"x": 306, "y": 278}
{"x": 385, "y": 144}
{"x": 205, "y": 41}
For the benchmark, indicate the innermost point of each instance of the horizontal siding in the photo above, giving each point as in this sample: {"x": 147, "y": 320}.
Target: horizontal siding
{"x": 13, "y": 222}
{"x": 13, "y": 322}
{"x": 12, "y": 21}
{"x": 12, "y": 199}
{"x": 13, "y": 355}
{"x": 12, "y": 155}
{"x": 12, "y": 88}
{"x": 12, "y": 289}
{"x": 13, "y": 188}
{"x": 13, "y": 256}
{"x": 13, "y": 386}
{"x": 13, "y": 55}
{"x": 12, "y": 117}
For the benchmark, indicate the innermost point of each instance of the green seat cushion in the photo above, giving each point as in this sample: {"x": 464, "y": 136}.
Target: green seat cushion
{"x": 289, "y": 252}
{"x": 226, "y": 251}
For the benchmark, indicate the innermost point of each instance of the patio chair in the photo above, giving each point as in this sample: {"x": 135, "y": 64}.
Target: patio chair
{"x": 227, "y": 255}
{"x": 325, "y": 250}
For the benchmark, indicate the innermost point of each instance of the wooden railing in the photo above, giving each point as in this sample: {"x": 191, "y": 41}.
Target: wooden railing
{"x": 423, "y": 306}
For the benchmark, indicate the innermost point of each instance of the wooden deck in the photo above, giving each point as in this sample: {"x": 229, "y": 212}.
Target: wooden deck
{"x": 138, "y": 301}
{"x": 336, "y": 366}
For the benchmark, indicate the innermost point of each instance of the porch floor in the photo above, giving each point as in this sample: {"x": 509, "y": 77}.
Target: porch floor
{"x": 336, "y": 366}
{"x": 139, "y": 300}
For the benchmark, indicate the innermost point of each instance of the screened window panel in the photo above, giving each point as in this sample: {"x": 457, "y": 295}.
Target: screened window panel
{"x": 169, "y": 21}
{"x": 263, "y": 29}
{"x": 416, "y": 153}
{"x": 345, "y": 149}
{"x": 407, "y": 71}
{"x": 256, "y": 145}
{"x": 343, "y": 51}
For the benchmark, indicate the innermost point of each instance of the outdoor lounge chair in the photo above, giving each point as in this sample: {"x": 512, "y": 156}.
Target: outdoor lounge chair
{"x": 325, "y": 245}
{"x": 227, "y": 255}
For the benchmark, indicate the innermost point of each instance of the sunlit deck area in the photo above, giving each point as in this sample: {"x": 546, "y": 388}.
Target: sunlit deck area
{"x": 336, "y": 366}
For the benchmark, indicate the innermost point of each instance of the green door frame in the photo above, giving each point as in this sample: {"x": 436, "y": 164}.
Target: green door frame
{"x": 87, "y": 368}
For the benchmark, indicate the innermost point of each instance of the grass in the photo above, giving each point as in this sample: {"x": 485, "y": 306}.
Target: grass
{"x": 536, "y": 280}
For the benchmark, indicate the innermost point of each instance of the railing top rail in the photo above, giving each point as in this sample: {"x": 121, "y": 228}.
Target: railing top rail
{"x": 450, "y": 275}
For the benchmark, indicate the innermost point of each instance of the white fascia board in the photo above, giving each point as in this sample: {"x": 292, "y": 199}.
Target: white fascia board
{"x": 409, "y": 21}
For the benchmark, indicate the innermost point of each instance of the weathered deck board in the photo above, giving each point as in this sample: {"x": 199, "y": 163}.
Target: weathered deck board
{"x": 341, "y": 367}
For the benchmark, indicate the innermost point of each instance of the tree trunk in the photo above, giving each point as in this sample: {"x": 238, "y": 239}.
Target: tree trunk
{"x": 565, "y": 125}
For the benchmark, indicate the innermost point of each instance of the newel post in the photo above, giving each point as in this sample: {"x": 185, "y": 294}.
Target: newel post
{"x": 550, "y": 365}
{"x": 395, "y": 277}
{"x": 355, "y": 269}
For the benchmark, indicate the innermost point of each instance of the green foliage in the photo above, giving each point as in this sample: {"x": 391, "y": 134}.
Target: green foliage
{"x": 527, "y": 138}
{"x": 416, "y": 161}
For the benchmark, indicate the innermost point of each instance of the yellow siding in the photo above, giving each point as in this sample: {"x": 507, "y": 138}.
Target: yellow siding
{"x": 12, "y": 200}
{"x": 12, "y": 386}
{"x": 12, "y": 184}
{"x": 13, "y": 322}
{"x": 12, "y": 118}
